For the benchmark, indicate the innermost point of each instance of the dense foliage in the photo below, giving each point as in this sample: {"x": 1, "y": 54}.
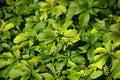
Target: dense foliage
{"x": 59, "y": 39}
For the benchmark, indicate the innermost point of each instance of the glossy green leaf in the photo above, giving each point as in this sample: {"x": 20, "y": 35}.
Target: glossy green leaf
{"x": 100, "y": 50}
{"x": 25, "y": 77}
{"x": 115, "y": 28}
{"x": 115, "y": 67}
{"x": 100, "y": 63}
{"x": 47, "y": 76}
{"x": 97, "y": 57}
{"x": 117, "y": 75}
{"x": 65, "y": 26}
{"x": 33, "y": 61}
{"x": 115, "y": 45}
{"x": 73, "y": 73}
{"x": 70, "y": 33}
{"x": 16, "y": 73}
{"x": 71, "y": 63}
{"x": 51, "y": 48}
{"x": 71, "y": 11}
{"x": 117, "y": 54}
{"x": 37, "y": 76}
{"x": 2, "y": 24}
{"x": 84, "y": 19}
{"x": 62, "y": 8}
{"x": 21, "y": 37}
{"x": 96, "y": 74}
{"x": 8, "y": 26}
{"x": 100, "y": 25}
{"x": 7, "y": 54}
{"x": 108, "y": 37}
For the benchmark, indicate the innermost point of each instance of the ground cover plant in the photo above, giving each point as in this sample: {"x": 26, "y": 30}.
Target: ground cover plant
{"x": 59, "y": 39}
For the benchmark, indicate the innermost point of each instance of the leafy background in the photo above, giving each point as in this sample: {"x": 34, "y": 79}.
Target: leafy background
{"x": 59, "y": 39}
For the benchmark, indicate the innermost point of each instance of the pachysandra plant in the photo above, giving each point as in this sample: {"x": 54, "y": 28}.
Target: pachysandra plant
{"x": 59, "y": 39}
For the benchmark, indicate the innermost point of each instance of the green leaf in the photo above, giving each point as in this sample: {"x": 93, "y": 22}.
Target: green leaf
{"x": 93, "y": 31}
{"x": 117, "y": 54}
{"x": 73, "y": 75}
{"x": 51, "y": 48}
{"x": 3, "y": 63}
{"x": 8, "y": 26}
{"x": 6, "y": 62}
{"x": 84, "y": 19}
{"x": 24, "y": 77}
{"x": 65, "y": 26}
{"x": 23, "y": 44}
{"x": 37, "y": 76}
{"x": 2, "y": 24}
{"x": 5, "y": 45}
{"x": 62, "y": 8}
{"x": 115, "y": 67}
{"x": 100, "y": 63}
{"x": 21, "y": 37}
{"x": 75, "y": 38}
{"x": 60, "y": 65}
{"x": 44, "y": 6}
{"x": 115, "y": 45}
{"x": 100, "y": 50}
{"x": 16, "y": 20}
{"x": 33, "y": 61}
{"x": 96, "y": 74}
{"x": 100, "y": 25}
{"x": 54, "y": 24}
{"x": 71, "y": 63}
{"x": 115, "y": 28}
{"x": 78, "y": 59}
{"x": 109, "y": 47}
{"x": 47, "y": 76}
{"x": 51, "y": 67}
{"x": 29, "y": 19}
{"x": 107, "y": 37}
{"x": 97, "y": 57}
{"x": 7, "y": 55}
{"x": 41, "y": 25}
{"x": 70, "y": 33}
{"x": 6, "y": 35}
{"x": 49, "y": 36}
{"x": 117, "y": 76}
{"x": 44, "y": 16}
{"x": 16, "y": 73}
{"x": 118, "y": 4}
{"x": 72, "y": 10}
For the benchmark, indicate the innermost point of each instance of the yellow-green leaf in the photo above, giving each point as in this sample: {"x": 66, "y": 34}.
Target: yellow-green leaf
{"x": 93, "y": 31}
{"x": 16, "y": 53}
{"x": 8, "y": 26}
{"x": 51, "y": 48}
{"x": 97, "y": 57}
{"x": 117, "y": 76}
{"x": 100, "y": 50}
{"x": 20, "y": 37}
{"x": 2, "y": 24}
{"x": 70, "y": 33}
{"x": 47, "y": 76}
{"x": 96, "y": 74}
{"x": 101, "y": 62}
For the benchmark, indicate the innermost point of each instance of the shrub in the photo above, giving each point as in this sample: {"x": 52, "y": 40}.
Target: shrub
{"x": 59, "y": 39}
